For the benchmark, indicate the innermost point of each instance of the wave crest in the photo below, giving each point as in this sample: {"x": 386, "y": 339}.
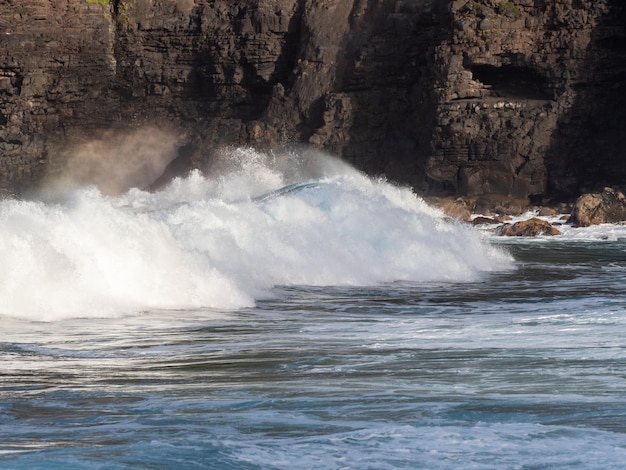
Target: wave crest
{"x": 256, "y": 220}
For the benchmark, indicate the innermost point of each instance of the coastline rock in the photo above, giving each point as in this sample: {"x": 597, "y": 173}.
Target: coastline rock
{"x": 456, "y": 208}
{"x": 606, "y": 207}
{"x": 500, "y": 205}
{"x": 484, "y": 221}
{"x": 458, "y": 98}
{"x": 528, "y": 228}
{"x": 547, "y": 212}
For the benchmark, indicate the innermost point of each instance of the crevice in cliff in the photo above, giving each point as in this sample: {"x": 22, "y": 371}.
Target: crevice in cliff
{"x": 509, "y": 81}
{"x": 614, "y": 43}
{"x": 288, "y": 58}
{"x": 116, "y": 6}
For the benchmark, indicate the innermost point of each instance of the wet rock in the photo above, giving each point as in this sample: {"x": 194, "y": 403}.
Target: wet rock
{"x": 547, "y": 212}
{"x": 179, "y": 167}
{"x": 528, "y": 228}
{"x": 456, "y": 208}
{"x": 480, "y": 220}
{"x": 606, "y": 207}
{"x": 499, "y": 204}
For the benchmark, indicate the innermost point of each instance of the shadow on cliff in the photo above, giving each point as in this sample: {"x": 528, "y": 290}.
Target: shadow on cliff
{"x": 392, "y": 79}
{"x": 588, "y": 148}
{"x": 382, "y": 103}
{"x": 226, "y": 78}
{"x": 229, "y": 86}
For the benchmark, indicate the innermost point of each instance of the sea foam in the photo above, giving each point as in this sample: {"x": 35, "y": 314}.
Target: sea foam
{"x": 221, "y": 240}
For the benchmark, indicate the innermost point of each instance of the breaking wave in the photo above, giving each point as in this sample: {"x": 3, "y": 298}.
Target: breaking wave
{"x": 256, "y": 220}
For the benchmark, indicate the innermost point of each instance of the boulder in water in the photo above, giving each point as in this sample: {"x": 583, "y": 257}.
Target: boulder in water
{"x": 528, "y": 228}
{"x": 607, "y": 207}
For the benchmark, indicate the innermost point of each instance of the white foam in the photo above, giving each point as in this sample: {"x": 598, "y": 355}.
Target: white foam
{"x": 481, "y": 446}
{"x": 223, "y": 240}
{"x": 607, "y": 232}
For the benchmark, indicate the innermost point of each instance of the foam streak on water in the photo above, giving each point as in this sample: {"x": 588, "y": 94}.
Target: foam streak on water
{"x": 283, "y": 313}
{"x": 224, "y": 240}
{"x": 515, "y": 370}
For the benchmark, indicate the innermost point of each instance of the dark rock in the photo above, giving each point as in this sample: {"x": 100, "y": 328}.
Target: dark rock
{"x": 531, "y": 98}
{"x": 484, "y": 221}
{"x": 453, "y": 98}
{"x": 606, "y": 207}
{"x": 499, "y": 204}
{"x": 528, "y": 228}
{"x": 547, "y": 212}
{"x": 181, "y": 166}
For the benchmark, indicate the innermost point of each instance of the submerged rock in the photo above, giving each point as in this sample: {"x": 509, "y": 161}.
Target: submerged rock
{"x": 528, "y": 228}
{"x": 607, "y": 207}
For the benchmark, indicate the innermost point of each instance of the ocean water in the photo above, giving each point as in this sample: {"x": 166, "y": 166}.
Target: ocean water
{"x": 288, "y": 312}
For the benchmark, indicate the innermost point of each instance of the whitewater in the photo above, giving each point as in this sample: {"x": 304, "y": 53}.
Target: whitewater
{"x": 259, "y": 220}
{"x": 283, "y": 310}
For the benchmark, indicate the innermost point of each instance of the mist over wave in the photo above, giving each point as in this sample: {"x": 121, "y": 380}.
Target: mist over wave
{"x": 256, "y": 220}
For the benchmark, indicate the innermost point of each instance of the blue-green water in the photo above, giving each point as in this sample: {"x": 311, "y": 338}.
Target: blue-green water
{"x": 522, "y": 369}
{"x": 484, "y": 354}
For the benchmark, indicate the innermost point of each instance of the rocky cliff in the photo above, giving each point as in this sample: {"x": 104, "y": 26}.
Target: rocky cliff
{"x": 478, "y": 98}
{"x": 532, "y": 103}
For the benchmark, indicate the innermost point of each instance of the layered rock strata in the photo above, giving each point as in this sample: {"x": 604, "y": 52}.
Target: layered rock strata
{"x": 472, "y": 98}
{"x": 530, "y": 92}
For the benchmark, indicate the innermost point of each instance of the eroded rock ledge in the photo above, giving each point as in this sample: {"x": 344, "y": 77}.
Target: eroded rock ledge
{"x": 470, "y": 98}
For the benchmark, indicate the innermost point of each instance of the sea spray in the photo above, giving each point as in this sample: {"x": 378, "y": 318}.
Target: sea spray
{"x": 256, "y": 220}
{"x": 114, "y": 161}
{"x": 89, "y": 257}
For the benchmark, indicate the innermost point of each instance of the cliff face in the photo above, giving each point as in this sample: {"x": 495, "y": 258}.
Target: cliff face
{"x": 466, "y": 97}
{"x": 532, "y": 98}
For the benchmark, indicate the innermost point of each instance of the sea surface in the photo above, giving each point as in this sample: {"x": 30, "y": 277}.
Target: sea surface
{"x": 287, "y": 312}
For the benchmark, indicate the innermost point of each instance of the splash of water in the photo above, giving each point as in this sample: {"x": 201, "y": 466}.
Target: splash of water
{"x": 220, "y": 241}
{"x": 114, "y": 161}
